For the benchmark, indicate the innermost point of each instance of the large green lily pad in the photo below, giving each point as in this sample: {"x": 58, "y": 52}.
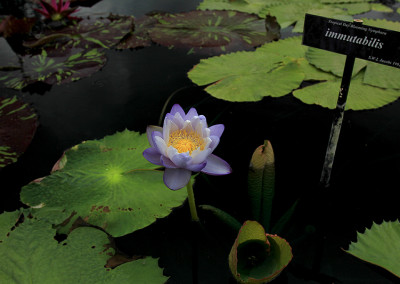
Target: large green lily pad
{"x": 379, "y": 245}
{"x": 257, "y": 257}
{"x": 18, "y": 123}
{"x": 54, "y": 67}
{"x": 275, "y": 69}
{"x": 30, "y": 254}
{"x": 220, "y": 30}
{"x": 361, "y": 96}
{"x": 108, "y": 183}
{"x": 247, "y": 6}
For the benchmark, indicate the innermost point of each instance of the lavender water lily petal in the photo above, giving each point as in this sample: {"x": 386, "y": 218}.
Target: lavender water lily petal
{"x": 184, "y": 145}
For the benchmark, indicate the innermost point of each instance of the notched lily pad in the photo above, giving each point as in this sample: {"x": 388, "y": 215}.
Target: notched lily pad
{"x": 18, "y": 123}
{"x": 108, "y": 183}
{"x": 28, "y": 243}
{"x": 54, "y": 67}
{"x": 379, "y": 245}
{"x": 218, "y": 31}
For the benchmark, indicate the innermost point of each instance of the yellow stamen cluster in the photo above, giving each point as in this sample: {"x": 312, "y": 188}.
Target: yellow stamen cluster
{"x": 184, "y": 141}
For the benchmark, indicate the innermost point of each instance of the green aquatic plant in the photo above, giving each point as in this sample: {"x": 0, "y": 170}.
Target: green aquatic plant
{"x": 107, "y": 183}
{"x": 379, "y": 245}
{"x": 257, "y": 257}
{"x": 27, "y": 242}
{"x": 18, "y": 123}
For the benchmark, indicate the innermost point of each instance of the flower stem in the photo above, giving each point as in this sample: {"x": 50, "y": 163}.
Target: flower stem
{"x": 192, "y": 203}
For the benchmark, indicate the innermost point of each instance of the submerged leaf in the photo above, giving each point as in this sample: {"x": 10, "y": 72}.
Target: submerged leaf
{"x": 379, "y": 245}
{"x": 108, "y": 183}
{"x": 257, "y": 257}
{"x": 18, "y": 123}
{"x": 37, "y": 257}
{"x": 261, "y": 183}
{"x": 218, "y": 31}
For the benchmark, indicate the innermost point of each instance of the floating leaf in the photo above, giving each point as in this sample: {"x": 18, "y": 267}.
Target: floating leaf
{"x": 140, "y": 36}
{"x": 247, "y": 76}
{"x": 355, "y": 8}
{"x": 247, "y": 6}
{"x": 361, "y": 96}
{"x": 382, "y": 23}
{"x": 289, "y": 13}
{"x": 219, "y": 31}
{"x": 331, "y": 61}
{"x": 37, "y": 257}
{"x": 87, "y": 33}
{"x": 54, "y": 68}
{"x": 381, "y": 8}
{"x": 379, "y": 245}
{"x": 257, "y": 257}
{"x": 382, "y": 76}
{"x": 261, "y": 183}
{"x": 18, "y": 123}
{"x": 109, "y": 184}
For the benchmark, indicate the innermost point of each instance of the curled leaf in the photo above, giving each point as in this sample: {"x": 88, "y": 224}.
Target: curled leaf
{"x": 257, "y": 257}
{"x": 261, "y": 183}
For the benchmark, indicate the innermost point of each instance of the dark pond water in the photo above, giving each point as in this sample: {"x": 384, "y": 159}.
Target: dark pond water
{"x": 130, "y": 92}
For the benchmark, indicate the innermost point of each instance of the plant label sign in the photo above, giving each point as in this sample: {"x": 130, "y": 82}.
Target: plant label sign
{"x": 352, "y": 38}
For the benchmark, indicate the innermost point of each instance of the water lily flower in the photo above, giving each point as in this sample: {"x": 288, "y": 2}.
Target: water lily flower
{"x": 56, "y": 12}
{"x": 184, "y": 145}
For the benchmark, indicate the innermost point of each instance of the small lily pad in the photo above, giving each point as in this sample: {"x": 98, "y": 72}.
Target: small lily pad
{"x": 218, "y": 31}
{"x": 18, "y": 123}
{"x": 247, "y": 6}
{"x": 379, "y": 245}
{"x": 108, "y": 183}
{"x": 257, "y": 257}
{"x": 54, "y": 67}
{"x": 28, "y": 243}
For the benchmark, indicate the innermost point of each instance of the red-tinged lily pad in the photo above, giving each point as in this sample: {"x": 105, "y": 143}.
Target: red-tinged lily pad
{"x": 54, "y": 68}
{"x": 257, "y": 257}
{"x": 18, "y": 124}
{"x": 140, "y": 36}
{"x": 11, "y": 25}
{"x": 218, "y": 31}
{"x": 88, "y": 33}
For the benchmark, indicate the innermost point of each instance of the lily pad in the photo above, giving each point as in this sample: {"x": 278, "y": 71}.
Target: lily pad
{"x": 221, "y": 31}
{"x": 87, "y": 33}
{"x": 382, "y": 23}
{"x": 247, "y": 6}
{"x": 257, "y": 257}
{"x": 361, "y": 96}
{"x": 375, "y": 74}
{"x": 37, "y": 257}
{"x": 289, "y": 13}
{"x": 108, "y": 183}
{"x": 54, "y": 67}
{"x": 332, "y": 62}
{"x": 18, "y": 123}
{"x": 379, "y": 245}
{"x": 139, "y": 37}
